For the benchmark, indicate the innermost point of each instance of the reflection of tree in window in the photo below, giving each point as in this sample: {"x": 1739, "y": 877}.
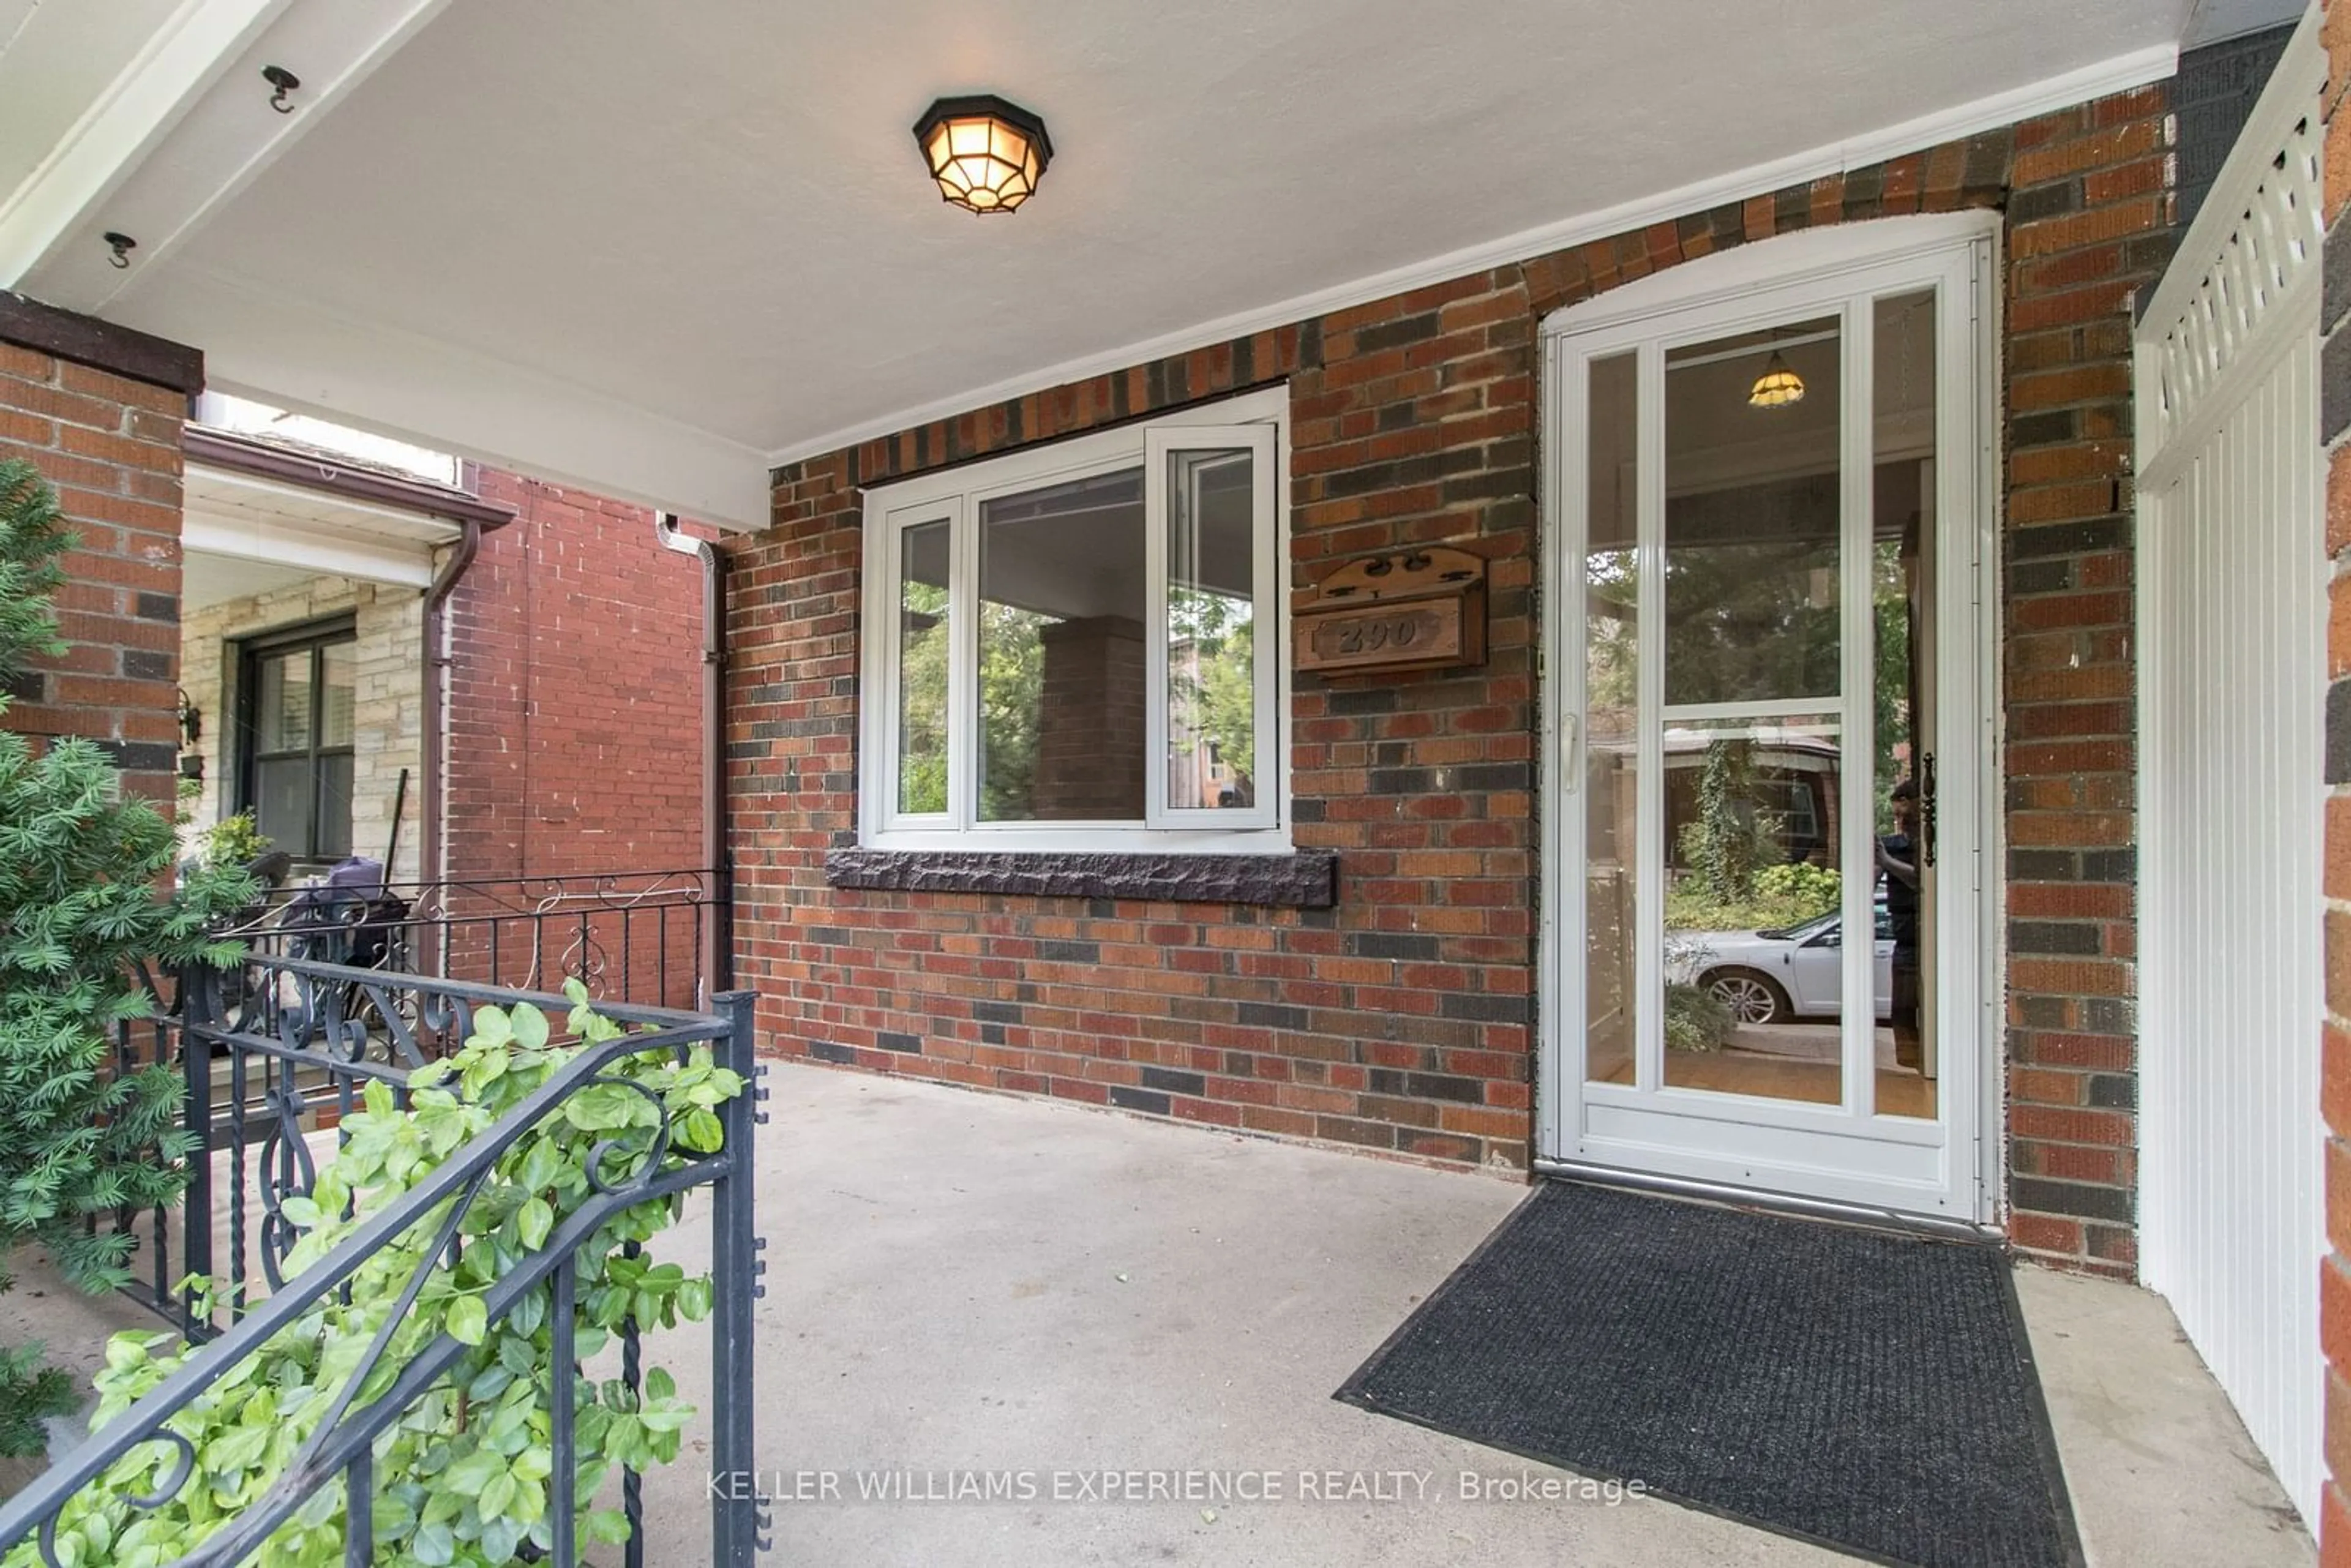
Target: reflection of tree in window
{"x": 1750, "y": 623}
{"x": 1061, "y": 694}
{"x": 1011, "y": 708}
{"x": 925, "y": 638}
{"x": 1212, "y": 643}
{"x": 1212, "y": 665}
{"x": 922, "y": 700}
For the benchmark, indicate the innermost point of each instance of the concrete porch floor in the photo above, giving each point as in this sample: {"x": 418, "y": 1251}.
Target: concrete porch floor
{"x": 962, "y": 1282}
{"x": 969, "y": 1283}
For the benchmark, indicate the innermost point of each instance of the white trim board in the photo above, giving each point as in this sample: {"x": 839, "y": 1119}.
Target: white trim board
{"x": 194, "y": 47}
{"x": 1889, "y": 1163}
{"x": 281, "y": 541}
{"x": 2118, "y": 74}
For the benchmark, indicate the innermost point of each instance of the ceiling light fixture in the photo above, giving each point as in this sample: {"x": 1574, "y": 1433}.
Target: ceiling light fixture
{"x": 1778, "y": 386}
{"x": 985, "y": 154}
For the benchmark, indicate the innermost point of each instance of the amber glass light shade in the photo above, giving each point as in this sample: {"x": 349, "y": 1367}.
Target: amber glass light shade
{"x": 1778, "y": 386}
{"x": 985, "y": 154}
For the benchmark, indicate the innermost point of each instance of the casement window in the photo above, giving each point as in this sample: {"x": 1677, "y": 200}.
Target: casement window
{"x": 296, "y": 694}
{"x": 1079, "y": 647}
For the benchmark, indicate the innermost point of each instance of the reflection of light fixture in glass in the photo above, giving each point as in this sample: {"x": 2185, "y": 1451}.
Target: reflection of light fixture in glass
{"x": 985, "y": 154}
{"x": 1778, "y": 386}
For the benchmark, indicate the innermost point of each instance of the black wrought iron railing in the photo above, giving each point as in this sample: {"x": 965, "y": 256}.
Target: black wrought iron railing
{"x": 303, "y": 1040}
{"x": 651, "y": 936}
{"x": 632, "y": 938}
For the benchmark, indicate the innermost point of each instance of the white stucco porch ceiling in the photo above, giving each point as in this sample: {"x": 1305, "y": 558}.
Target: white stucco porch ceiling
{"x": 654, "y": 249}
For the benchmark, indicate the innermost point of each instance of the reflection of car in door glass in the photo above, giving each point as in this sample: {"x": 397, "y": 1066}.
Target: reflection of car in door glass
{"x": 1779, "y": 974}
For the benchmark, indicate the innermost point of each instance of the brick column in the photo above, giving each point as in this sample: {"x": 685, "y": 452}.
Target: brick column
{"x": 1089, "y": 721}
{"x": 2334, "y": 1523}
{"x": 2089, "y": 227}
{"x": 97, "y": 410}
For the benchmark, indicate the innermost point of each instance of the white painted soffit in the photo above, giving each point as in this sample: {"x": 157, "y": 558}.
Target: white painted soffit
{"x": 250, "y": 518}
{"x": 2117, "y": 75}
{"x": 651, "y": 254}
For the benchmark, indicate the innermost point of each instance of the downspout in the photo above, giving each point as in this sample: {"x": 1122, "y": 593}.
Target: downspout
{"x": 432, "y": 852}
{"x": 719, "y": 932}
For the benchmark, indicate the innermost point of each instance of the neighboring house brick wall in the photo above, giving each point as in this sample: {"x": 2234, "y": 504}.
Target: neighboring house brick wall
{"x": 574, "y": 715}
{"x": 387, "y": 714}
{"x": 111, "y": 446}
{"x": 2335, "y": 1084}
{"x": 1400, "y": 1020}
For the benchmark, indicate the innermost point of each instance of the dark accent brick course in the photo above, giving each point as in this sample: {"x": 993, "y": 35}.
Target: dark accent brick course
{"x": 2075, "y": 1198}
{"x": 1145, "y": 1099}
{"x": 1307, "y": 879}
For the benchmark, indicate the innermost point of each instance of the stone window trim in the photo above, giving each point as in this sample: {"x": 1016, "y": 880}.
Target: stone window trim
{"x": 1303, "y": 879}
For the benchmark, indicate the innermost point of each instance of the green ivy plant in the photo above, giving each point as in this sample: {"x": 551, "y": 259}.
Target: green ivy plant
{"x": 465, "y": 1475}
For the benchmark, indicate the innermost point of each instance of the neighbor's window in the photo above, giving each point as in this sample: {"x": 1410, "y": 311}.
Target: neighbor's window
{"x": 296, "y": 694}
{"x": 1077, "y": 647}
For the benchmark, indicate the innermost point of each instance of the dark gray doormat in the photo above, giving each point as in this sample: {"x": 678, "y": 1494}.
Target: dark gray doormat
{"x": 1869, "y": 1392}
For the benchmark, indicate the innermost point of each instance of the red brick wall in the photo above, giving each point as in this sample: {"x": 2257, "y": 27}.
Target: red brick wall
{"x": 575, "y": 711}
{"x": 1400, "y": 1020}
{"x": 111, "y": 446}
{"x": 2335, "y": 1082}
{"x": 575, "y": 746}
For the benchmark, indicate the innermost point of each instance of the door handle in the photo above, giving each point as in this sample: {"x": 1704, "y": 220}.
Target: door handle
{"x": 1926, "y": 808}
{"x": 1571, "y": 760}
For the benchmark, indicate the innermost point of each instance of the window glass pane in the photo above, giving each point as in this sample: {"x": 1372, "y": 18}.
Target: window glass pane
{"x": 1061, "y": 672}
{"x": 1752, "y": 502}
{"x": 1754, "y": 956}
{"x": 1211, "y": 637}
{"x": 281, "y": 803}
{"x": 335, "y": 807}
{"x": 1611, "y": 755}
{"x": 282, "y": 702}
{"x": 924, "y": 639}
{"x": 1903, "y": 571}
{"x": 339, "y": 682}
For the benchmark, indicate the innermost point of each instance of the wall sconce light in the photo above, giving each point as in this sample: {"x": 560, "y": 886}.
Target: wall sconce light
{"x": 192, "y": 722}
{"x": 985, "y": 154}
{"x": 1778, "y": 386}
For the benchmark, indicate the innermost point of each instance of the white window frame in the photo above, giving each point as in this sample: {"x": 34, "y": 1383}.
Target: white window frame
{"x": 1259, "y": 420}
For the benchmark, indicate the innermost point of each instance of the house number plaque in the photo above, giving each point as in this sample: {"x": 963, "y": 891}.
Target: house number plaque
{"x": 1415, "y": 609}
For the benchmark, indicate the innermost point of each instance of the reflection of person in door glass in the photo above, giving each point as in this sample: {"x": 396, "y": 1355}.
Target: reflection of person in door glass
{"x": 1897, "y": 857}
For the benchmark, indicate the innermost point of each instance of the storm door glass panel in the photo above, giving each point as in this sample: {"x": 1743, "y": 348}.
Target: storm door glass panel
{"x": 1211, "y": 631}
{"x": 1751, "y": 514}
{"x": 925, "y": 641}
{"x": 1754, "y": 957}
{"x": 1611, "y": 782}
{"x": 1063, "y": 683}
{"x": 1903, "y": 578}
{"x": 1750, "y": 741}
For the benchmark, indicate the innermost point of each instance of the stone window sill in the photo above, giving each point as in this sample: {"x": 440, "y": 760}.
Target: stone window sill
{"x": 1307, "y": 879}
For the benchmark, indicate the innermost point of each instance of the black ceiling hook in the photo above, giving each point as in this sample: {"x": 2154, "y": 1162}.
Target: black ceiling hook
{"x": 121, "y": 245}
{"x": 285, "y": 82}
